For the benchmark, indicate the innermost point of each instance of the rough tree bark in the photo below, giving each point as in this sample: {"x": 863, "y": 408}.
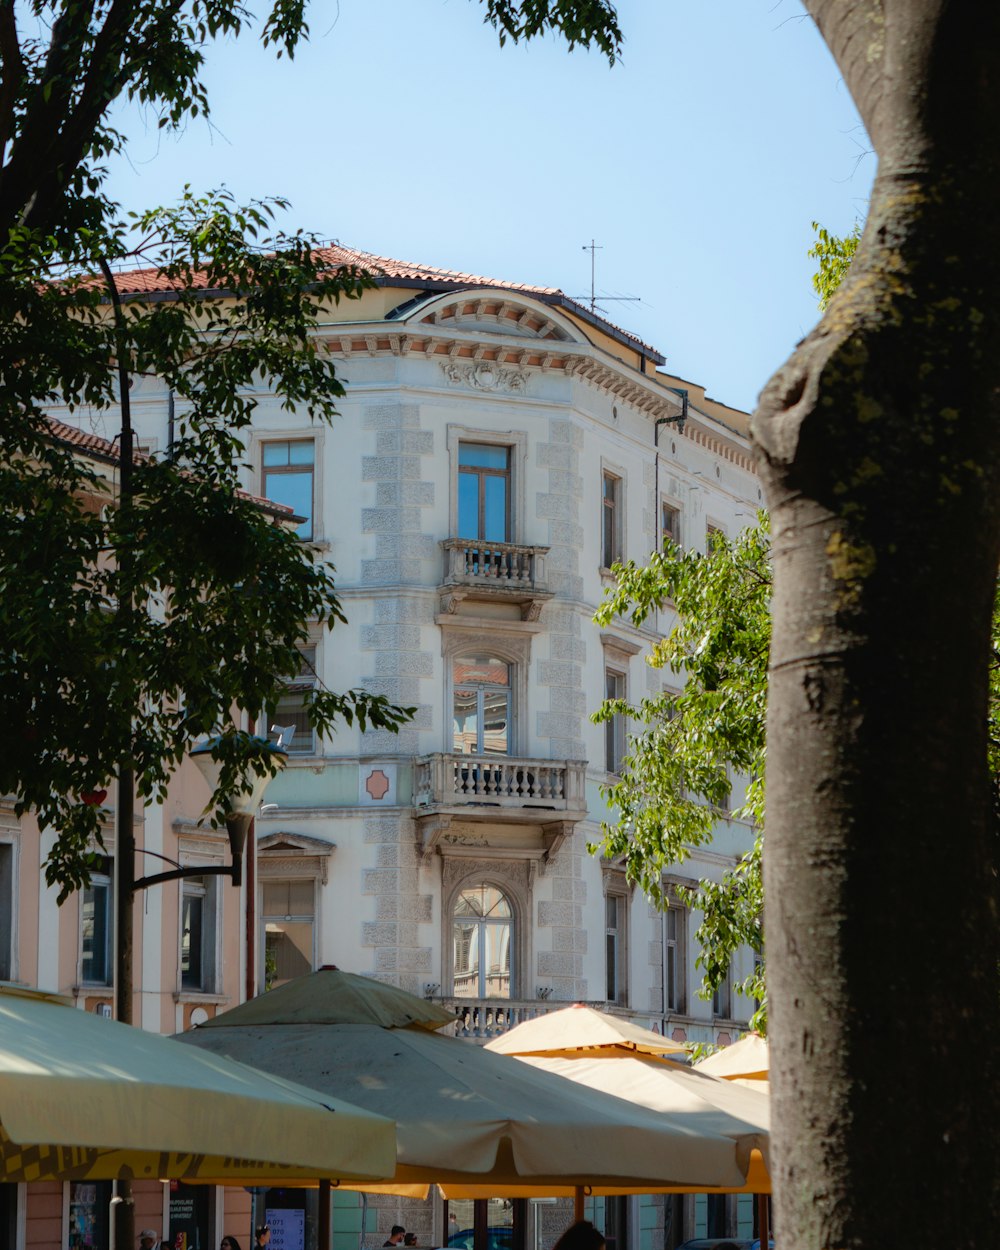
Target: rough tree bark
{"x": 880, "y": 447}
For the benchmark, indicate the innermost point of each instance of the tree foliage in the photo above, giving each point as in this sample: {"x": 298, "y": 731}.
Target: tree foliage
{"x": 133, "y": 628}
{"x": 834, "y": 253}
{"x": 220, "y": 596}
{"x": 676, "y": 780}
{"x": 678, "y": 773}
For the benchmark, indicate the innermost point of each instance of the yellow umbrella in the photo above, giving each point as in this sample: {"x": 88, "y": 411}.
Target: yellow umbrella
{"x": 86, "y": 1098}
{"x": 746, "y": 1060}
{"x": 580, "y": 1028}
{"x": 570, "y": 1045}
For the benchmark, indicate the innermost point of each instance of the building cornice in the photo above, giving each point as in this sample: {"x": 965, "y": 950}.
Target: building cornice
{"x": 501, "y": 364}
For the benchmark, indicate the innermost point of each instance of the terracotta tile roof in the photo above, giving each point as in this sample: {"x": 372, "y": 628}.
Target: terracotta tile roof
{"x": 391, "y": 272}
{"x": 104, "y": 449}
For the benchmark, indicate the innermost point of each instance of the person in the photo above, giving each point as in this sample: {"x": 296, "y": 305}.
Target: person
{"x": 581, "y": 1236}
{"x": 410, "y": 1239}
{"x": 395, "y": 1237}
{"x": 262, "y": 1236}
{"x": 149, "y": 1239}
{"x": 229, "y": 1243}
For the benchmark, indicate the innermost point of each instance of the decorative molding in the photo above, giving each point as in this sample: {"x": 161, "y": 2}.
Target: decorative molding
{"x": 486, "y": 376}
{"x": 623, "y": 647}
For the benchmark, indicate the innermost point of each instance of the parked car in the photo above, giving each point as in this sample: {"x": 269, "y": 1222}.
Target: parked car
{"x": 715, "y": 1243}
{"x": 723, "y": 1243}
{"x": 500, "y": 1237}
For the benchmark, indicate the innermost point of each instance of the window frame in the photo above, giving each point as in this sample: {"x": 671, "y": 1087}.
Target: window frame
{"x": 668, "y": 504}
{"x": 515, "y": 879}
{"x": 615, "y": 744}
{"x": 105, "y": 878}
{"x": 287, "y": 878}
{"x": 9, "y": 852}
{"x": 516, "y": 443}
{"x": 481, "y": 689}
{"x": 515, "y": 651}
{"x": 206, "y": 889}
{"x": 509, "y": 922}
{"x": 287, "y": 470}
{"x": 301, "y": 746}
{"x": 616, "y": 535}
{"x": 713, "y": 527}
{"x": 616, "y": 888}
{"x": 481, "y": 473}
{"x": 675, "y": 1002}
{"x": 722, "y": 998}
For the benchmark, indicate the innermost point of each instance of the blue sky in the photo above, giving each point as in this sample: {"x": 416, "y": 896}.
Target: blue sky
{"x": 697, "y": 164}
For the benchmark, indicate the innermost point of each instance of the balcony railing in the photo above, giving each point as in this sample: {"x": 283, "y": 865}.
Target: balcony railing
{"x": 455, "y": 780}
{"x": 500, "y": 566}
{"x": 480, "y": 1019}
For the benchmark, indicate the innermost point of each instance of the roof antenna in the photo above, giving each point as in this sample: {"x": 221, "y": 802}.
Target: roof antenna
{"x": 593, "y": 248}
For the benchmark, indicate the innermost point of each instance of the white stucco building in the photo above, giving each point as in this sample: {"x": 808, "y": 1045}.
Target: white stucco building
{"x": 499, "y": 448}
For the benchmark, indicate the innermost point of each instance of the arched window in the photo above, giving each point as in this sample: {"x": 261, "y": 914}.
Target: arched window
{"x": 481, "y": 690}
{"x": 482, "y": 928}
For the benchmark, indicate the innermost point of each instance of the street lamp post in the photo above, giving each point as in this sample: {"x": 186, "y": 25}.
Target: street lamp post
{"x": 241, "y": 807}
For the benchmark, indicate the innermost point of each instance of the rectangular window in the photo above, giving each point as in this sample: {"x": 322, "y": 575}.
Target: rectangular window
{"x": 97, "y": 927}
{"x": 674, "y": 957}
{"x": 287, "y": 478}
{"x": 712, "y": 534}
{"x": 484, "y": 492}
{"x": 289, "y": 916}
{"x": 670, "y": 523}
{"x": 481, "y": 705}
{"x": 614, "y": 729}
{"x": 198, "y": 927}
{"x": 7, "y": 934}
{"x": 611, "y": 519}
{"x": 722, "y": 1008}
{"x": 291, "y": 712}
{"x": 614, "y": 949}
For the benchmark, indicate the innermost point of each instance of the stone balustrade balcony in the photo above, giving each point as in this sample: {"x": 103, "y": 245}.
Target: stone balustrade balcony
{"x": 498, "y": 789}
{"x": 509, "y": 572}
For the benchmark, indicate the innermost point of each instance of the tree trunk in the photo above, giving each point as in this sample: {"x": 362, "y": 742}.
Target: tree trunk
{"x": 880, "y": 448}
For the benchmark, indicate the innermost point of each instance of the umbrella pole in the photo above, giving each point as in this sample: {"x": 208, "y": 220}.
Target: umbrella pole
{"x": 577, "y": 1203}
{"x": 763, "y": 1223}
{"x": 323, "y": 1239}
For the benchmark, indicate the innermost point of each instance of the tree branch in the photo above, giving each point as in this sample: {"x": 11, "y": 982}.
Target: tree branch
{"x": 12, "y": 74}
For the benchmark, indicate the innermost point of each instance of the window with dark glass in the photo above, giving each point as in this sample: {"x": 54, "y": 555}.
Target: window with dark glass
{"x": 670, "y": 522}
{"x": 614, "y": 948}
{"x": 614, "y": 727}
{"x": 482, "y": 932}
{"x": 292, "y": 711}
{"x": 481, "y": 696}
{"x": 198, "y": 934}
{"x": 484, "y": 492}
{"x": 97, "y": 925}
{"x": 6, "y": 911}
{"x": 722, "y": 1000}
{"x": 611, "y": 519}
{"x": 289, "y": 915}
{"x": 673, "y": 958}
{"x": 287, "y": 478}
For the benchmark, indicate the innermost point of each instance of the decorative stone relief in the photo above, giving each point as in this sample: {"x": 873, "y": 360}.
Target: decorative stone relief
{"x": 485, "y": 376}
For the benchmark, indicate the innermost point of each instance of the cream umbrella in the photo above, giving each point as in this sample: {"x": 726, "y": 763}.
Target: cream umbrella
{"x": 86, "y": 1098}
{"x": 464, "y": 1115}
